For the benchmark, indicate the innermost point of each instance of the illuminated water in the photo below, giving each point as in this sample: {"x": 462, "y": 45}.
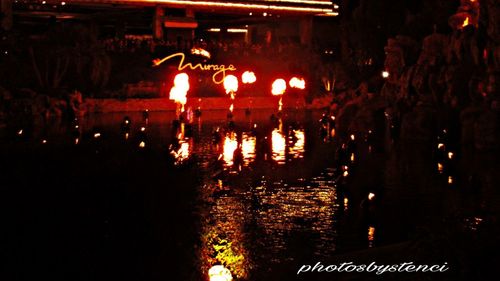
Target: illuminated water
{"x": 262, "y": 200}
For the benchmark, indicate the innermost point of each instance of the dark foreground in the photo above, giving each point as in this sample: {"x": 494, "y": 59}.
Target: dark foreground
{"x": 107, "y": 209}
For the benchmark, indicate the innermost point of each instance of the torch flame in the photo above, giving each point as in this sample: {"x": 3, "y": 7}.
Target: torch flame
{"x": 278, "y": 87}
{"x": 231, "y": 84}
{"x": 298, "y": 83}
{"x": 248, "y": 77}
{"x": 178, "y": 92}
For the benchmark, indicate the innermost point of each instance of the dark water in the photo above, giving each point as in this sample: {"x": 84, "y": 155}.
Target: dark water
{"x": 114, "y": 206}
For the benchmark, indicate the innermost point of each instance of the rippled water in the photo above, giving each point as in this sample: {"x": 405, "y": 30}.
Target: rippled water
{"x": 266, "y": 194}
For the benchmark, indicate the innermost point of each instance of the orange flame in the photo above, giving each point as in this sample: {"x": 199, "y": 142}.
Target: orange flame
{"x": 200, "y": 51}
{"x": 278, "y": 87}
{"x": 298, "y": 83}
{"x": 248, "y": 77}
{"x": 178, "y": 92}
{"x": 231, "y": 85}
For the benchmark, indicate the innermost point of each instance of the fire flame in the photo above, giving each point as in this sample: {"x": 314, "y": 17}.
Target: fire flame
{"x": 248, "y": 77}
{"x": 298, "y": 83}
{"x": 278, "y": 87}
{"x": 179, "y": 91}
{"x": 219, "y": 273}
{"x": 201, "y": 52}
{"x": 231, "y": 85}
{"x": 466, "y": 22}
{"x": 278, "y": 146}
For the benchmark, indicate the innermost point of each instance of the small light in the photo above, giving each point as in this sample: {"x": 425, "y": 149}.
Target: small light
{"x": 44, "y": 2}
{"x": 44, "y": 141}
{"x": 385, "y": 74}
{"x": 450, "y": 155}
{"x": 264, "y": 14}
{"x": 63, "y": 3}
{"x": 352, "y": 157}
{"x": 142, "y": 144}
{"x": 20, "y": 132}
{"x": 97, "y": 135}
{"x": 441, "y": 146}
{"x": 440, "y": 168}
{"x": 77, "y": 141}
{"x": 250, "y": 14}
{"x": 371, "y": 196}
{"x": 345, "y": 174}
{"x": 450, "y": 180}
{"x": 143, "y": 129}
{"x": 353, "y": 137}
{"x": 76, "y": 126}
{"x": 126, "y": 136}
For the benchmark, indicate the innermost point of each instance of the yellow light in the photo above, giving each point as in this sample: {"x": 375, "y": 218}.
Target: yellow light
{"x": 231, "y": 84}
{"x": 441, "y": 146}
{"x": 178, "y": 93}
{"x": 371, "y": 235}
{"x": 353, "y": 137}
{"x": 440, "y": 168}
{"x": 298, "y": 148}
{"x": 248, "y": 145}
{"x": 201, "y": 52}
{"x": 466, "y": 22}
{"x": 237, "y": 30}
{"x": 219, "y": 273}
{"x": 450, "y": 155}
{"x": 352, "y": 157}
{"x": 371, "y": 196}
{"x": 450, "y": 180}
{"x": 345, "y": 174}
{"x": 230, "y": 145}
{"x": 298, "y": 83}
{"x": 346, "y": 203}
{"x": 385, "y": 74}
{"x": 97, "y": 135}
{"x": 248, "y": 77}
{"x": 278, "y": 87}
{"x": 214, "y": 30}
{"x": 278, "y": 146}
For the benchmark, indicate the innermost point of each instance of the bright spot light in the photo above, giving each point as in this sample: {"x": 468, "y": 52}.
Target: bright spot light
{"x": 440, "y": 167}
{"x": 278, "y": 87}
{"x": 450, "y": 180}
{"x": 441, "y": 146}
{"x": 371, "y": 196}
{"x": 278, "y": 146}
{"x": 201, "y": 52}
{"x": 230, "y": 145}
{"x": 450, "y": 155}
{"x": 97, "y": 135}
{"x": 63, "y": 3}
{"x": 219, "y": 273}
{"x": 248, "y": 77}
{"x": 44, "y": 141}
{"x": 466, "y": 22}
{"x": 142, "y": 144}
{"x": 353, "y": 137}
{"x": 20, "y": 132}
{"x": 143, "y": 129}
{"x": 298, "y": 83}
{"x": 231, "y": 84}
{"x": 178, "y": 92}
{"x": 385, "y": 74}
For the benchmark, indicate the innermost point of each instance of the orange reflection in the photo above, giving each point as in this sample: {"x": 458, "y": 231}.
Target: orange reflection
{"x": 278, "y": 146}
{"x": 248, "y": 145}
{"x": 230, "y": 145}
{"x": 182, "y": 154}
{"x": 371, "y": 236}
{"x": 297, "y": 150}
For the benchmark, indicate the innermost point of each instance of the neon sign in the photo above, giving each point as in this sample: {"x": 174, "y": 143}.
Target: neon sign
{"x": 219, "y": 70}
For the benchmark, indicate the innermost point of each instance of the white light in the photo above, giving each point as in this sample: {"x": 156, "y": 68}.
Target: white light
{"x": 385, "y": 74}
{"x": 219, "y": 273}
{"x": 214, "y": 30}
{"x": 237, "y": 30}
{"x": 63, "y": 3}
{"x": 371, "y": 196}
{"x": 264, "y": 14}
